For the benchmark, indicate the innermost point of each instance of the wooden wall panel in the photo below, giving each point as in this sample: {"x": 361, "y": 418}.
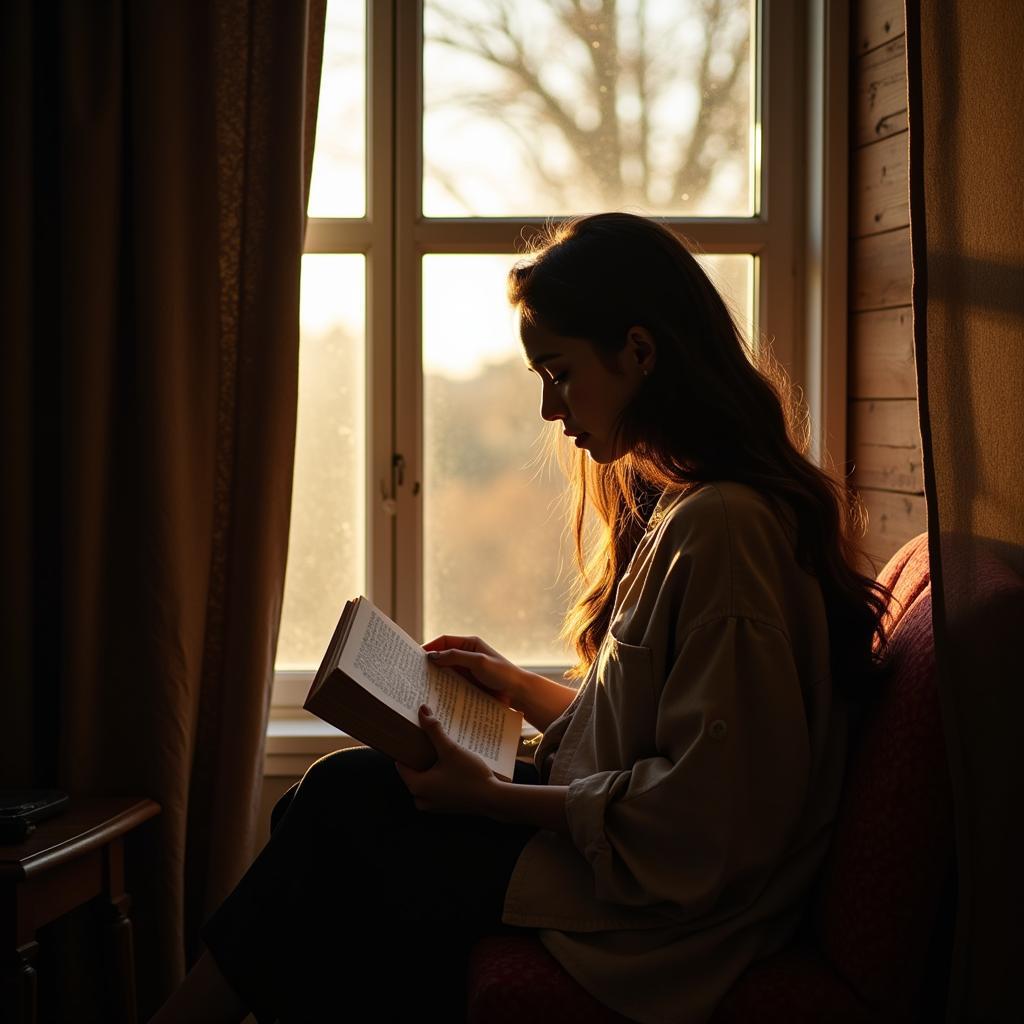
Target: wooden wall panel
{"x": 886, "y": 422}
{"x": 887, "y": 468}
{"x": 880, "y": 271}
{"x": 882, "y": 354}
{"x": 883, "y": 437}
{"x": 879, "y": 190}
{"x": 880, "y": 93}
{"x": 886, "y": 445}
{"x": 876, "y": 22}
{"x": 892, "y": 520}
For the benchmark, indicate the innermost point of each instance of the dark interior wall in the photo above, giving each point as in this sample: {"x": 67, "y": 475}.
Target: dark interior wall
{"x": 30, "y": 405}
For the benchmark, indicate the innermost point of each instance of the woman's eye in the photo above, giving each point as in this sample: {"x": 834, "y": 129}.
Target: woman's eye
{"x": 560, "y": 378}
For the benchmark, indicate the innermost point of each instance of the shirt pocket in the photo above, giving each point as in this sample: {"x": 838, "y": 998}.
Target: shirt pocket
{"x": 625, "y": 703}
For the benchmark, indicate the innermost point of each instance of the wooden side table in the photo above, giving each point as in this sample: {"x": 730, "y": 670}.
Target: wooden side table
{"x": 68, "y": 860}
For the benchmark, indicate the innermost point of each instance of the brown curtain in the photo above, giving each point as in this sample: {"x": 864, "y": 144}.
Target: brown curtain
{"x": 155, "y": 178}
{"x": 967, "y": 226}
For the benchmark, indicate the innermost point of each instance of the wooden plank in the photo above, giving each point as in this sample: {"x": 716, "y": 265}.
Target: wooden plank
{"x": 880, "y": 93}
{"x": 882, "y": 354}
{"x": 893, "y": 519}
{"x": 880, "y": 187}
{"x": 884, "y": 441}
{"x": 881, "y": 271}
{"x": 887, "y": 468}
{"x": 892, "y": 423}
{"x": 877, "y": 22}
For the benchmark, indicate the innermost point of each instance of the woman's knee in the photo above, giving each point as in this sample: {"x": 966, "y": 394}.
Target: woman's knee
{"x": 281, "y": 807}
{"x": 351, "y": 776}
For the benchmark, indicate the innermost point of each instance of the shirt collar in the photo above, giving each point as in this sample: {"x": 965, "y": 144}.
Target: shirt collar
{"x": 668, "y": 498}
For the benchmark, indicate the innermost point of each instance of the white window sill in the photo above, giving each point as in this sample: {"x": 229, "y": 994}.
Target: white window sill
{"x": 295, "y": 739}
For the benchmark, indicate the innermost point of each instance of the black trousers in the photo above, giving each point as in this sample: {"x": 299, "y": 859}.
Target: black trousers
{"x": 360, "y": 907}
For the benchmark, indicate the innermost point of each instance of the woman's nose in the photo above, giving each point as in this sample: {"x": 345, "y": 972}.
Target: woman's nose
{"x": 551, "y": 405}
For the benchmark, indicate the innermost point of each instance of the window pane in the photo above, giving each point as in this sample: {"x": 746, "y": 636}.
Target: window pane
{"x": 338, "y": 186}
{"x": 536, "y": 108}
{"x": 733, "y": 276}
{"x": 492, "y": 529}
{"x": 326, "y": 546}
{"x": 496, "y": 561}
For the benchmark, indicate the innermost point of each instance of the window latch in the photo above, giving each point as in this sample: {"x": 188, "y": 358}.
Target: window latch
{"x": 390, "y": 501}
{"x": 397, "y": 470}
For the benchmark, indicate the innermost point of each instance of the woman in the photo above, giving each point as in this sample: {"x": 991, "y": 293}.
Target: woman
{"x": 680, "y": 801}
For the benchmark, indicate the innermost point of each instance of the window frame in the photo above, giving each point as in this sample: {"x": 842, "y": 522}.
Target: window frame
{"x": 797, "y": 237}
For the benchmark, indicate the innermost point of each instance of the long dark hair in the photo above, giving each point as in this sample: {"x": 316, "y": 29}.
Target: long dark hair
{"x": 712, "y": 409}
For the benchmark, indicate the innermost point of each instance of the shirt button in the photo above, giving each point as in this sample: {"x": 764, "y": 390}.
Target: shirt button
{"x": 717, "y": 729}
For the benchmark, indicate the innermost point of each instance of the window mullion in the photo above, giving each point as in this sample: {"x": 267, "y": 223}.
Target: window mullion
{"x": 781, "y": 131}
{"x": 380, "y": 320}
{"x": 825, "y": 237}
{"x": 480, "y": 234}
{"x": 327, "y": 235}
{"x": 407, "y": 575}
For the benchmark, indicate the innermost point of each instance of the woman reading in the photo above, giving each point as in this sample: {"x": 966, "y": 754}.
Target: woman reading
{"x": 681, "y": 799}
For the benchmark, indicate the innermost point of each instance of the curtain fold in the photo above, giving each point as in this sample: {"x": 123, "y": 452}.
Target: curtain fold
{"x": 966, "y": 93}
{"x": 156, "y": 178}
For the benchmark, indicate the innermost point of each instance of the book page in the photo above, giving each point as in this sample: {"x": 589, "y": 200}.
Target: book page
{"x": 394, "y": 668}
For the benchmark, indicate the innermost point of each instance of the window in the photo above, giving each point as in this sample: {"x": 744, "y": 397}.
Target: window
{"x": 446, "y": 129}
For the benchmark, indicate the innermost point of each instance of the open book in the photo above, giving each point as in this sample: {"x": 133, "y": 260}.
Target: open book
{"x": 373, "y": 679}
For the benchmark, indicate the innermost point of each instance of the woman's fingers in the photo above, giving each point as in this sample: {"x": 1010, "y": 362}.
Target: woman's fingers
{"x": 439, "y": 643}
{"x": 459, "y": 643}
{"x": 476, "y": 661}
{"x": 447, "y": 642}
{"x": 477, "y": 668}
{"x": 455, "y": 660}
{"x": 454, "y": 657}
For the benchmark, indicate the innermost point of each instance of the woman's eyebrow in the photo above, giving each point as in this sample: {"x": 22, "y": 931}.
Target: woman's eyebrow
{"x": 534, "y": 363}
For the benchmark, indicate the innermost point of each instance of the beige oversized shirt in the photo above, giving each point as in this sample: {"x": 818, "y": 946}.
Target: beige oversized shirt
{"x": 704, "y": 757}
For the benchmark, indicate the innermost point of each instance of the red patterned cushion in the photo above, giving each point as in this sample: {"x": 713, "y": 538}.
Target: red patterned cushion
{"x": 513, "y": 978}
{"x": 795, "y": 986}
{"x": 893, "y": 847}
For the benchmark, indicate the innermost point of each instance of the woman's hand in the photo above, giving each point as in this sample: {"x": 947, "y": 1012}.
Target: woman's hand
{"x": 481, "y": 664}
{"x": 459, "y": 782}
{"x": 540, "y": 699}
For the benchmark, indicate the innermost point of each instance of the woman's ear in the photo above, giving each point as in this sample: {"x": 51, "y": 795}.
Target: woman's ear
{"x": 640, "y": 349}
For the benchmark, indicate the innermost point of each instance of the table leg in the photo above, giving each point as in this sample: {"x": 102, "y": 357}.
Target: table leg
{"x": 121, "y": 953}
{"x": 20, "y": 984}
{"x": 120, "y": 948}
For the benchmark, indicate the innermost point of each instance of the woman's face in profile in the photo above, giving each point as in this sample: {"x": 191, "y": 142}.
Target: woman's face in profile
{"x": 579, "y": 389}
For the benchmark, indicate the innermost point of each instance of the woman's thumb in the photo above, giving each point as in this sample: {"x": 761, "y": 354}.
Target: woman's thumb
{"x": 433, "y": 727}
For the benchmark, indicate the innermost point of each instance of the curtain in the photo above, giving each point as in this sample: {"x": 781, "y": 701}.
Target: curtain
{"x": 966, "y": 93}
{"x": 155, "y": 178}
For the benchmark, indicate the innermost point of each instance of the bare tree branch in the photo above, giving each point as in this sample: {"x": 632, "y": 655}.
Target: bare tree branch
{"x": 694, "y": 172}
{"x": 597, "y": 34}
{"x": 650, "y": 65}
{"x": 498, "y": 108}
{"x": 520, "y": 68}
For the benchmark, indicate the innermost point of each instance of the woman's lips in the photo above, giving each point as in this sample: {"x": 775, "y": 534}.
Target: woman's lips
{"x": 580, "y": 439}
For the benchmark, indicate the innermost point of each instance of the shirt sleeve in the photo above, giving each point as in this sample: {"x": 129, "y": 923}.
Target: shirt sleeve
{"x": 707, "y": 819}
